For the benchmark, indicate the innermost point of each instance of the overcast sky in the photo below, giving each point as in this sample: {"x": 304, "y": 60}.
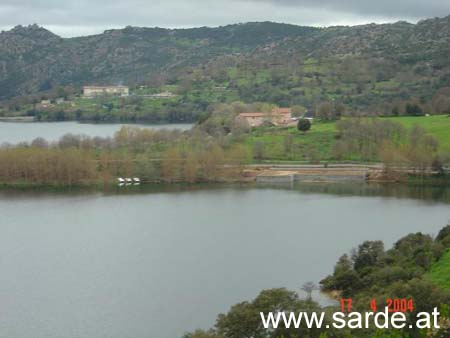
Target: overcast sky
{"x": 82, "y": 17}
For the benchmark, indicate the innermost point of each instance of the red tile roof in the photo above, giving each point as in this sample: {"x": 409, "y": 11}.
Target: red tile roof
{"x": 282, "y": 110}
{"x": 275, "y": 111}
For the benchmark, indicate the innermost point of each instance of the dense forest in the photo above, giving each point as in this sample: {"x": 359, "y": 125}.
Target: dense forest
{"x": 388, "y": 69}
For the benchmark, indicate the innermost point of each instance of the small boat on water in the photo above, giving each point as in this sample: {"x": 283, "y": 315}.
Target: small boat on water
{"x": 128, "y": 181}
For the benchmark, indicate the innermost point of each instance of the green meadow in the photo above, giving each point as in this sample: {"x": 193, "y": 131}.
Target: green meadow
{"x": 288, "y": 144}
{"x": 438, "y": 126}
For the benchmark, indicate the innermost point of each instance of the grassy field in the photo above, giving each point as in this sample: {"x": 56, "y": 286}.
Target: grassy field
{"x": 437, "y": 126}
{"x": 319, "y": 141}
{"x": 440, "y": 272}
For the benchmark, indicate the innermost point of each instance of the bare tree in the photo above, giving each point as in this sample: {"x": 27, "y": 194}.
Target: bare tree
{"x": 309, "y": 287}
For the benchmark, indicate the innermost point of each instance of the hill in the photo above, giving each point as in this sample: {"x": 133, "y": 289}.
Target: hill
{"x": 369, "y": 68}
{"x": 34, "y": 59}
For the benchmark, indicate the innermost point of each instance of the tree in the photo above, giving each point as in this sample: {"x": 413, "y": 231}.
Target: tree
{"x": 210, "y": 160}
{"x": 444, "y": 236}
{"x": 368, "y": 254}
{"x": 287, "y": 143}
{"x": 171, "y": 164}
{"x": 201, "y": 334}
{"x": 144, "y": 168}
{"x": 441, "y": 101}
{"x": 421, "y": 150}
{"x": 344, "y": 278}
{"x": 298, "y": 110}
{"x": 259, "y": 150}
{"x": 340, "y": 110}
{"x": 309, "y": 287}
{"x": 244, "y": 320}
{"x": 413, "y": 109}
{"x": 325, "y": 111}
{"x": 39, "y": 142}
{"x": 190, "y": 167}
{"x": 304, "y": 125}
{"x": 395, "y": 111}
{"x": 237, "y": 156}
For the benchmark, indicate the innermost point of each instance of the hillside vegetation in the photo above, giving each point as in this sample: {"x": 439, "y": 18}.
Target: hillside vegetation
{"x": 388, "y": 69}
{"x": 440, "y": 271}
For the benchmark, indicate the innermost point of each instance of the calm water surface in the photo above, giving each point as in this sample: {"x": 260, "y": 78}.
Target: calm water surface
{"x": 14, "y": 132}
{"x": 159, "y": 262}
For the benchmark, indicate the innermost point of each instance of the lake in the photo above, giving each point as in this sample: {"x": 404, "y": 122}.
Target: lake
{"x": 159, "y": 261}
{"x": 14, "y": 132}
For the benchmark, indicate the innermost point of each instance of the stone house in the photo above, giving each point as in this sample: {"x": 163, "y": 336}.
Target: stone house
{"x": 277, "y": 117}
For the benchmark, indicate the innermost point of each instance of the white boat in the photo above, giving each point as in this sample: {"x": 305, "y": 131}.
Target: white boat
{"x": 136, "y": 180}
{"x": 129, "y": 180}
{"x": 120, "y": 180}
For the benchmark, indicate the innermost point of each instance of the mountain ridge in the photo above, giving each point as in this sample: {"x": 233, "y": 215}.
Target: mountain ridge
{"x": 33, "y": 59}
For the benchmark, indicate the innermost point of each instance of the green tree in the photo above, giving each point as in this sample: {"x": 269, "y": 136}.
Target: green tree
{"x": 244, "y": 320}
{"x": 413, "y": 109}
{"x": 325, "y": 111}
{"x": 368, "y": 254}
{"x": 304, "y": 125}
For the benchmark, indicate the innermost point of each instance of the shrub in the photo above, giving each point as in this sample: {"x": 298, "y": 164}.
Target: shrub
{"x": 303, "y": 125}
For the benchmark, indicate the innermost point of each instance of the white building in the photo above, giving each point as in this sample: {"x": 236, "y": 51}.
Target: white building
{"x": 93, "y": 91}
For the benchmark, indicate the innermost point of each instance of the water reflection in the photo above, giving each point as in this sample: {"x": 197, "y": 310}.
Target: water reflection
{"x": 429, "y": 192}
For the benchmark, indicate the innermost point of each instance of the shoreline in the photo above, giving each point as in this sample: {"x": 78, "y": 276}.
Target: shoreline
{"x": 247, "y": 179}
{"x": 32, "y": 119}
{"x": 21, "y": 119}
